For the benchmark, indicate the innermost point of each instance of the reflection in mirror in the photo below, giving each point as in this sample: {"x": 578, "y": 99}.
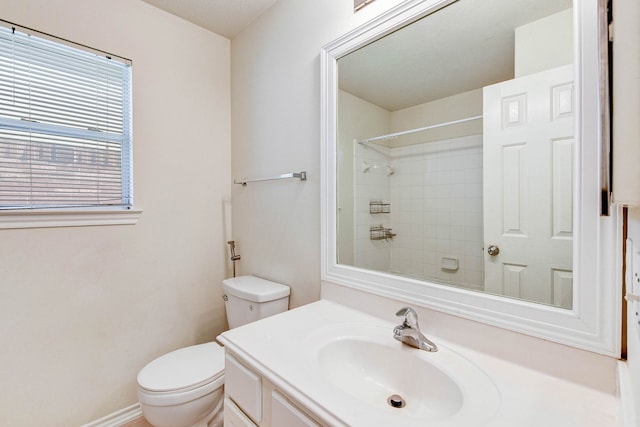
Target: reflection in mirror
{"x": 455, "y": 150}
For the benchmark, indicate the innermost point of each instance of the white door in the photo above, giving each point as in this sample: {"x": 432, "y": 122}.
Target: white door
{"x": 528, "y": 188}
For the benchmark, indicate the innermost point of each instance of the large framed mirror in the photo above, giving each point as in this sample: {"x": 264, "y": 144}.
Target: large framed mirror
{"x": 461, "y": 161}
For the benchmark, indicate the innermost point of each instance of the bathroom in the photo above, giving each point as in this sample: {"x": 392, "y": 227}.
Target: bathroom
{"x": 83, "y": 309}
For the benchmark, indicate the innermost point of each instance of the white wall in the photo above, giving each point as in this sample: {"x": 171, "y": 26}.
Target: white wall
{"x": 633, "y": 327}
{"x": 544, "y": 44}
{"x": 276, "y": 129}
{"x": 456, "y": 107}
{"x": 83, "y": 309}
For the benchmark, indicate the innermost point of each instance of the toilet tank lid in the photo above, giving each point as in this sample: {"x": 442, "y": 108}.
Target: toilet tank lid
{"x": 255, "y": 289}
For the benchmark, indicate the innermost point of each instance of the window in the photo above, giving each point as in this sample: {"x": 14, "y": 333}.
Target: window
{"x": 65, "y": 124}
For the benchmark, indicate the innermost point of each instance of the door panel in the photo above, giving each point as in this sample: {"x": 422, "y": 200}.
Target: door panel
{"x": 528, "y": 148}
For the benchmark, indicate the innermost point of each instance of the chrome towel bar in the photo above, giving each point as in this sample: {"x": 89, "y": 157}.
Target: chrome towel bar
{"x": 300, "y": 175}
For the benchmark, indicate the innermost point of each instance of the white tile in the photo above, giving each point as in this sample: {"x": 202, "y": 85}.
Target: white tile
{"x": 474, "y": 263}
{"x": 458, "y": 218}
{"x": 443, "y": 233}
{"x": 442, "y": 246}
{"x": 473, "y": 248}
{"x": 475, "y": 278}
{"x": 458, "y": 177}
{"x": 459, "y": 204}
{"x": 443, "y": 206}
{"x": 430, "y": 231}
{"x": 442, "y": 219}
{"x": 458, "y": 190}
{"x": 473, "y": 233}
{"x": 457, "y": 232}
{"x": 458, "y": 248}
{"x": 443, "y": 177}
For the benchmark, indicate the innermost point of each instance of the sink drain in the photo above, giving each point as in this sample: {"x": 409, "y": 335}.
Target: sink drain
{"x": 396, "y": 401}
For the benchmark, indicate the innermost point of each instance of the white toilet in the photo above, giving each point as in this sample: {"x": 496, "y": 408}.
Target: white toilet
{"x": 184, "y": 388}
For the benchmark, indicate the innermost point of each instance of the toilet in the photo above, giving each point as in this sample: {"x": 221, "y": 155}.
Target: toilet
{"x": 185, "y": 388}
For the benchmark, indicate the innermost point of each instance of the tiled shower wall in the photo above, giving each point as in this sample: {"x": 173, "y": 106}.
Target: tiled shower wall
{"x": 435, "y": 193}
{"x": 372, "y": 182}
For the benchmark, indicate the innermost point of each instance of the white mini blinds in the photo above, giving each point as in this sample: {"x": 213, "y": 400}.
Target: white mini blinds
{"x": 65, "y": 124}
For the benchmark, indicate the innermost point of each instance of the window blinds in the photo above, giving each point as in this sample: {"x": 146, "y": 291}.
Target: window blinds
{"x": 65, "y": 125}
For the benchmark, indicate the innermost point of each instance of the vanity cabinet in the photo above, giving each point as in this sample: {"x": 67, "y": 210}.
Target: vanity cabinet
{"x": 234, "y": 417}
{"x": 253, "y": 401}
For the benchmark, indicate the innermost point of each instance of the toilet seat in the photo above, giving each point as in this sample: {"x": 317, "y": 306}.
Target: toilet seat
{"x": 182, "y": 375}
{"x": 178, "y": 397}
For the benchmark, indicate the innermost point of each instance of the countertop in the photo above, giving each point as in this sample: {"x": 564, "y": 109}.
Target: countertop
{"x": 281, "y": 349}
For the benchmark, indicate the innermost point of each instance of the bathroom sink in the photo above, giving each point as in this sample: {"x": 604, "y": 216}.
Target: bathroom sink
{"x": 394, "y": 384}
{"x": 372, "y": 372}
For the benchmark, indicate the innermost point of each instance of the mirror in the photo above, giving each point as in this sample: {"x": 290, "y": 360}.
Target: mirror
{"x": 455, "y": 150}
{"x": 461, "y": 145}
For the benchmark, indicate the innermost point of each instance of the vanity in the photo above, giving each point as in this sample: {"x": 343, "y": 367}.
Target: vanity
{"x": 325, "y": 364}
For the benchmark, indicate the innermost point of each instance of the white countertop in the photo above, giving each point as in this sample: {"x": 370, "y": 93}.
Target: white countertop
{"x": 280, "y": 348}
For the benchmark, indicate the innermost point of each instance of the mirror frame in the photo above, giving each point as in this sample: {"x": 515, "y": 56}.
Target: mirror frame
{"x": 593, "y": 322}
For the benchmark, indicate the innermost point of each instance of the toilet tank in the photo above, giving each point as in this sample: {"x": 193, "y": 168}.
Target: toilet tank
{"x": 250, "y": 298}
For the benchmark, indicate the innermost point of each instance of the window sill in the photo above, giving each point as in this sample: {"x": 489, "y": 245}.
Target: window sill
{"x": 68, "y": 218}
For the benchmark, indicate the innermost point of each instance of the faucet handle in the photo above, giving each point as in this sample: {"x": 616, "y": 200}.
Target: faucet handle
{"x": 410, "y": 317}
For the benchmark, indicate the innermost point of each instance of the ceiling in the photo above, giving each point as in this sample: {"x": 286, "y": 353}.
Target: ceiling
{"x": 465, "y": 46}
{"x": 469, "y": 46}
{"x": 224, "y": 17}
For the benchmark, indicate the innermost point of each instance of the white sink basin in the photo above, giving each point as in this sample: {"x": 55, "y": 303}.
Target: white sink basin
{"x": 372, "y": 372}
{"x": 365, "y": 366}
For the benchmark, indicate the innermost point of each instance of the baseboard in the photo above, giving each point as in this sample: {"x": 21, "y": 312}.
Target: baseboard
{"x": 118, "y": 418}
{"x": 628, "y": 415}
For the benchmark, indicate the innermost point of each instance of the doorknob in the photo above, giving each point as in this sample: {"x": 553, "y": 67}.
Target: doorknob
{"x": 493, "y": 250}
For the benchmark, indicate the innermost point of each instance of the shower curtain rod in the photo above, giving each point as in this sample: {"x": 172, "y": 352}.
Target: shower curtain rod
{"x": 406, "y": 132}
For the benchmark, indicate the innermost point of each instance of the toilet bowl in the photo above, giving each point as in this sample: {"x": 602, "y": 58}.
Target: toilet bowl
{"x": 181, "y": 388}
{"x": 185, "y": 388}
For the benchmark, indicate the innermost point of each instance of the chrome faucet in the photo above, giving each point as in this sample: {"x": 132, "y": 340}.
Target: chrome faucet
{"x": 409, "y": 332}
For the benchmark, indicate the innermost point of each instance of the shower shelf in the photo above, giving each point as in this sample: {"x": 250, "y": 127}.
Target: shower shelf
{"x": 379, "y": 232}
{"x": 378, "y": 207}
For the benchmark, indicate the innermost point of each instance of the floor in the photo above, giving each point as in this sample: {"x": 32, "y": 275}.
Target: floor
{"x": 138, "y": 422}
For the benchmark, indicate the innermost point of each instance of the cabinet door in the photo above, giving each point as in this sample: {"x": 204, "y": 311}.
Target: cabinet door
{"x": 233, "y": 417}
{"x": 244, "y": 387}
{"x": 284, "y": 413}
